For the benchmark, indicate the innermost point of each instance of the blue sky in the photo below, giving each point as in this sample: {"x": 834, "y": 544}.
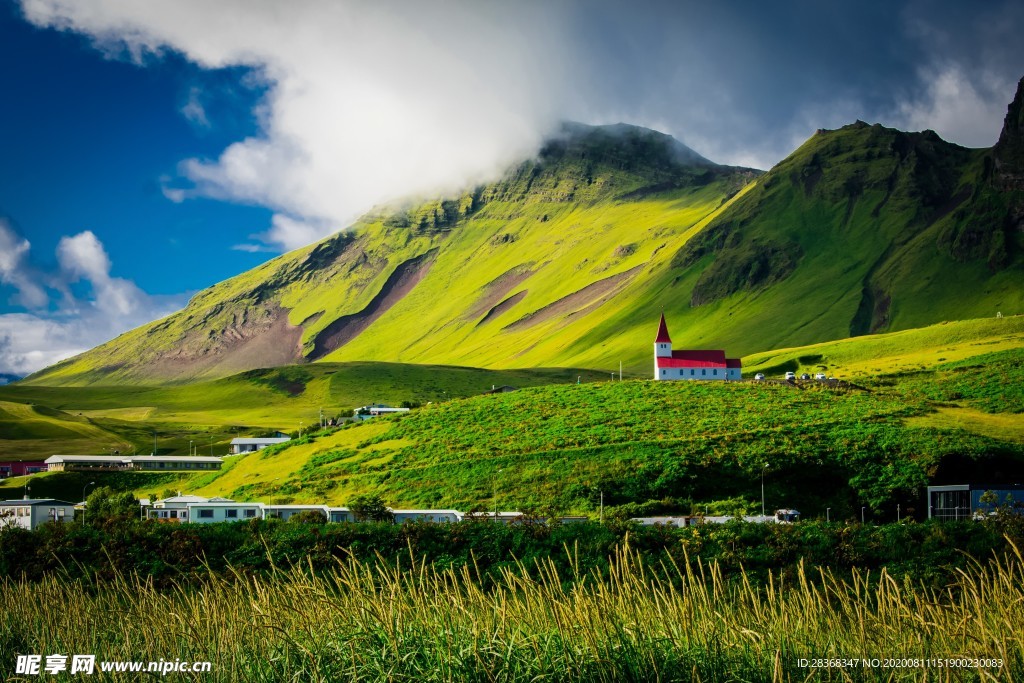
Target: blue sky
{"x": 153, "y": 149}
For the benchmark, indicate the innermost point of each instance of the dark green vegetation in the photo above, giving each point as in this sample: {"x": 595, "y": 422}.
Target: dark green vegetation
{"x": 113, "y": 543}
{"x": 570, "y": 257}
{"x": 308, "y": 602}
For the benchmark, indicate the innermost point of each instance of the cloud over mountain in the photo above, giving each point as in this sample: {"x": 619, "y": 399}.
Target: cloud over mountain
{"x": 59, "y": 322}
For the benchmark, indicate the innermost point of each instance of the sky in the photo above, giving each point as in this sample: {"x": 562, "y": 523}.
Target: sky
{"x": 151, "y": 149}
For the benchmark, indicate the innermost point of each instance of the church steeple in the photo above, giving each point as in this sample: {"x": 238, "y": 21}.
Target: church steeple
{"x": 663, "y": 337}
{"x": 663, "y": 343}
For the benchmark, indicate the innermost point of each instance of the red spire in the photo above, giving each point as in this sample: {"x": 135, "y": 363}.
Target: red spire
{"x": 663, "y": 337}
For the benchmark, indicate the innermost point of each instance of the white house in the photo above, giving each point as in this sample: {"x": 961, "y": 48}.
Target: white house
{"x": 436, "y": 516}
{"x": 30, "y": 513}
{"x": 691, "y": 364}
{"x": 95, "y": 463}
{"x": 375, "y": 409}
{"x": 175, "y": 462}
{"x": 246, "y": 445}
{"x": 114, "y": 463}
{"x": 176, "y": 508}
{"x": 284, "y": 512}
{"x": 222, "y": 511}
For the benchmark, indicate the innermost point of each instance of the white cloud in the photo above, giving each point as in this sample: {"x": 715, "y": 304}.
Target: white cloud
{"x": 368, "y": 102}
{"x": 194, "y": 111}
{"x": 37, "y": 338}
{"x": 959, "y": 107}
{"x": 14, "y": 270}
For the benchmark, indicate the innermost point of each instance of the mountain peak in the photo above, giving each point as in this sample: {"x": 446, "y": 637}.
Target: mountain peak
{"x": 1009, "y": 151}
{"x": 622, "y": 140}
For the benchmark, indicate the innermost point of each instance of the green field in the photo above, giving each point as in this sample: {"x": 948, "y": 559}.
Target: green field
{"x": 38, "y": 421}
{"x": 940, "y": 401}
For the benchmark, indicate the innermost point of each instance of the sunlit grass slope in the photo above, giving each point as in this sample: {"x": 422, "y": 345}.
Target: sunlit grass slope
{"x": 871, "y": 355}
{"x": 38, "y": 421}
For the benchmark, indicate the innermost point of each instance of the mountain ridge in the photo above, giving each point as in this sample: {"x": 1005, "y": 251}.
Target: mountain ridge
{"x": 568, "y": 259}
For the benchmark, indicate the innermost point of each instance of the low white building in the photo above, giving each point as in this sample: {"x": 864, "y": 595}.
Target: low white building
{"x": 375, "y": 409}
{"x": 176, "y": 508}
{"x": 31, "y": 513}
{"x": 248, "y": 445}
{"x": 340, "y": 515}
{"x": 93, "y": 463}
{"x": 210, "y": 512}
{"x": 175, "y": 462}
{"x": 285, "y": 512}
{"x": 117, "y": 463}
{"x": 435, "y": 516}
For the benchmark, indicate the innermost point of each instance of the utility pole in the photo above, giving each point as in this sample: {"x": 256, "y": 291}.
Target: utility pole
{"x": 620, "y": 370}
{"x": 600, "y": 517}
{"x": 763, "y": 468}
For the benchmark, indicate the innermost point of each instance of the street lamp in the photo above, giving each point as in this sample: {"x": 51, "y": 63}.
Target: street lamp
{"x": 862, "y": 514}
{"x": 828, "y": 517}
{"x": 84, "y": 506}
{"x": 190, "y": 448}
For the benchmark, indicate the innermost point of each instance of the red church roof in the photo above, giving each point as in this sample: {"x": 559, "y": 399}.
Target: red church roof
{"x": 694, "y": 359}
{"x": 733, "y": 363}
{"x": 663, "y": 337}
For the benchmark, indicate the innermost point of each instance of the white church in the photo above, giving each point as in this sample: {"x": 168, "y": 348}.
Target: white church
{"x": 690, "y": 364}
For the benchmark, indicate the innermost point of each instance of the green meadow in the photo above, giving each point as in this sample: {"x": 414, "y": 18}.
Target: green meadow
{"x": 908, "y": 407}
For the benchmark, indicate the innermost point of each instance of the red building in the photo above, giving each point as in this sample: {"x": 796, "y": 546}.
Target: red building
{"x": 20, "y": 469}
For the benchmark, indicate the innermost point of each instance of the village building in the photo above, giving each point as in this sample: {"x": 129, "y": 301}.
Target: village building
{"x": 21, "y": 468}
{"x": 33, "y": 512}
{"x": 175, "y": 462}
{"x": 118, "y": 463}
{"x": 691, "y": 364}
{"x": 176, "y": 508}
{"x": 963, "y": 501}
{"x": 285, "y": 512}
{"x": 248, "y": 445}
{"x": 434, "y": 516}
{"x": 212, "y": 511}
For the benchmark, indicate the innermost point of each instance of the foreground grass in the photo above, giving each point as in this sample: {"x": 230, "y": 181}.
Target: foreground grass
{"x": 368, "y": 621}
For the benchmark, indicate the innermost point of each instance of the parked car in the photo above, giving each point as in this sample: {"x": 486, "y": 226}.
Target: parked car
{"x": 820, "y": 376}
{"x": 805, "y": 376}
{"x": 790, "y": 376}
{"x": 759, "y": 376}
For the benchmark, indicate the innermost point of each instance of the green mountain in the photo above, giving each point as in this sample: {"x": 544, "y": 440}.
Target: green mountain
{"x": 569, "y": 259}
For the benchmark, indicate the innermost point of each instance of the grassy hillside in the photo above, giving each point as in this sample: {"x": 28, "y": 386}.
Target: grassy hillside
{"x": 37, "y": 421}
{"x": 946, "y": 396}
{"x": 688, "y": 444}
{"x": 507, "y": 275}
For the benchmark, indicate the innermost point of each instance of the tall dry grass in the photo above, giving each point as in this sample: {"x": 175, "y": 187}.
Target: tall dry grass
{"x": 364, "y": 621}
